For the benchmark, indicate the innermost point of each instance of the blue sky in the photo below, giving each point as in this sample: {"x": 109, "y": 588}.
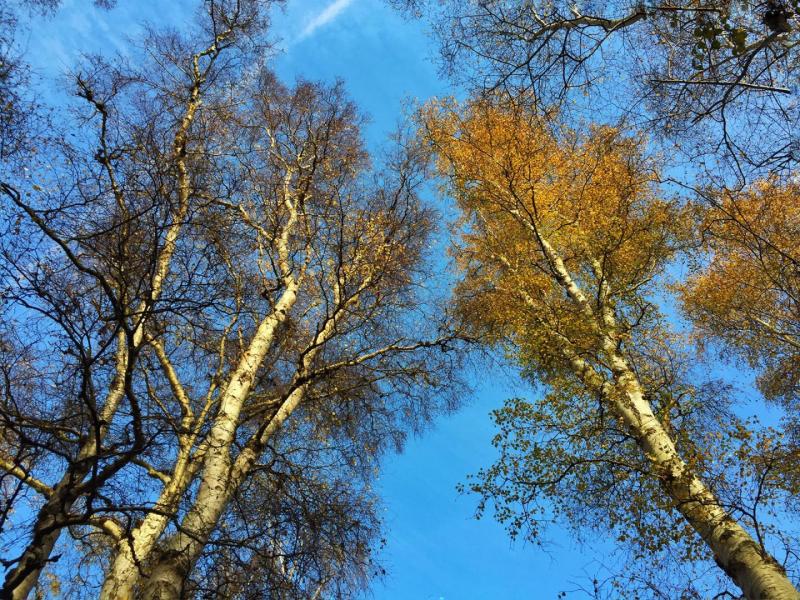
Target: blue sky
{"x": 435, "y": 549}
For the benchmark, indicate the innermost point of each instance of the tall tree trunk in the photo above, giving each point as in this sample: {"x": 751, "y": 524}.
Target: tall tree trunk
{"x": 50, "y": 519}
{"x": 53, "y": 515}
{"x": 134, "y": 548}
{"x": 180, "y": 552}
{"x": 216, "y": 484}
{"x": 222, "y": 476}
{"x": 757, "y": 573}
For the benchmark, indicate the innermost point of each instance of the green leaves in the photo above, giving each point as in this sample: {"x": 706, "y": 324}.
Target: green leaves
{"x": 716, "y": 35}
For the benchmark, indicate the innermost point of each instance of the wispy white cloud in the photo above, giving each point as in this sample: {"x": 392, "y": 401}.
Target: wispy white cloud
{"x": 328, "y": 14}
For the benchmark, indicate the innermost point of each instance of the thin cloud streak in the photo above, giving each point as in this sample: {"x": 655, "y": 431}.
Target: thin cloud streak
{"x": 328, "y": 14}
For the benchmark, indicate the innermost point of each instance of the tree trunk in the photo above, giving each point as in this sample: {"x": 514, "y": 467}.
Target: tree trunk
{"x": 52, "y": 517}
{"x": 181, "y": 551}
{"x": 49, "y": 521}
{"x": 133, "y": 550}
{"x": 47, "y": 528}
{"x": 758, "y": 575}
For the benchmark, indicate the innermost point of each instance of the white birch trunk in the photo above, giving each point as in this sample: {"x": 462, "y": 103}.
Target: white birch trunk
{"x": 757, "y": 573}
{"x": 49, "y": 521}
{"x": 214, "y": 491}
{"x": 180, "y": 553}
{"x": 134, "y": 549}
{"x": 221, "y": 476}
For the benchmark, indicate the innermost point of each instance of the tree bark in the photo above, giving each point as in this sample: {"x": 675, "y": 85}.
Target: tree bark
{"x": 757, "y": 573}
{"x": 132, "y": 550}
{"x": 222, "y": 476}
{"x": 180, "y": 552}
{"x": 53, "y": 515}
{"x": 50, "y": 519}
{"x": 216, "y": 487}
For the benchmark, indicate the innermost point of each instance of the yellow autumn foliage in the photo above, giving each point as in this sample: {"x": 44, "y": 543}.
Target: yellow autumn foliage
{"x": 563, "y": 238}
{"x": 748, "y": 295}
{"x": 526, "y": 189}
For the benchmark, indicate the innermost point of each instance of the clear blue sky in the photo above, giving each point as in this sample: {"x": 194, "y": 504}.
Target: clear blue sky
{"x": 435, "y": 549}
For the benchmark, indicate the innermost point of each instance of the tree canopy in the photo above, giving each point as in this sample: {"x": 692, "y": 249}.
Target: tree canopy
{"x": 716, "y": 79}
{"x": 209, "y": 297}
{"x": 219, "y": 310}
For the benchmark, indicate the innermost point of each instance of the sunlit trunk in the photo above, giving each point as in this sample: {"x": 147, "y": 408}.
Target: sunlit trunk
{"x": 216, "y": 485}
{"x": 758, "y": 574}
{"x": 180, "y": 552}
{"x": 51, "y": 518}
{"x": 53, "y": 515}
{"x": 125, "y": 571}
{"x": 221, "y": 478}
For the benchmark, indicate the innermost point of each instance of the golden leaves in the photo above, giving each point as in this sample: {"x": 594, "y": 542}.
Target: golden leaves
{"x": 748, "y": 295}
{"x": 532, "y": 195}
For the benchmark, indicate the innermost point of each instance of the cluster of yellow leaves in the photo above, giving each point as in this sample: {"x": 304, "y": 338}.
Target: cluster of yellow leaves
{"x": 563, "y": 237}
{"x": 531, "y": 195}
{"x": 749, "y": 293}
